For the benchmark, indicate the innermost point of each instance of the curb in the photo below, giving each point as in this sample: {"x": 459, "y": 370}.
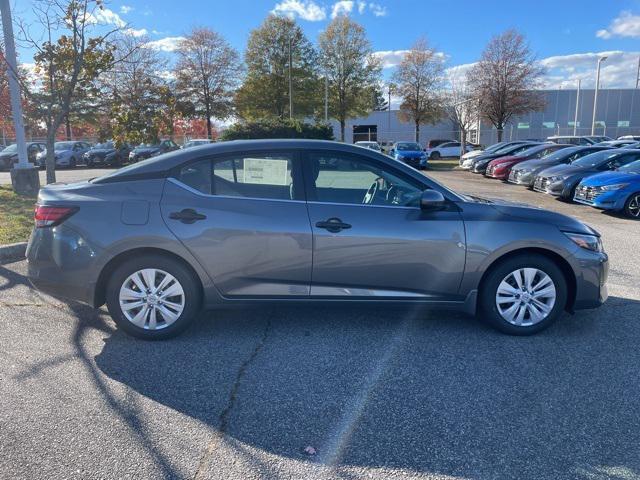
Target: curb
{"x": 12, "y": 252}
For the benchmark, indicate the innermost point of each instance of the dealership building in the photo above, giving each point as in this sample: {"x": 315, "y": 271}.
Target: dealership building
{"x": 617, "y": 113}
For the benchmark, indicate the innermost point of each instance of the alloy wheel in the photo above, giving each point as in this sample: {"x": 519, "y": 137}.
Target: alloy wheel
{"x": 526, "y": 297}
{"x": 634, "y": 206}
{"x": 151, "y": 299}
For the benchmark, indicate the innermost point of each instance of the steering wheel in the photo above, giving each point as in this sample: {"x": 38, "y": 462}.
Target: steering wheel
{"x": 372, "y": 192}
{"x": 394, "y": 194}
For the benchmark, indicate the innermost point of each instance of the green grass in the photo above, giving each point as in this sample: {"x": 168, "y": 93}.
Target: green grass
{"x": 443, "y": 164}
{"x": 16, "y": 216}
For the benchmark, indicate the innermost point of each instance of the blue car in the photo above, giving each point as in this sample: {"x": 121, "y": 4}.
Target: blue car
{"x": 617, "y": 190}
{"x": 410, "y": 153}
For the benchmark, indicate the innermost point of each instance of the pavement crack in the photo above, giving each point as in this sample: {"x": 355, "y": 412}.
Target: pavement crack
{"x": 223, "y": 419}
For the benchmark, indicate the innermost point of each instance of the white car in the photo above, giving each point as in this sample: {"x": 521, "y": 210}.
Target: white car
{"x": 369, "y": 145}
{"x": 67, "y": 154}
{"x": 445, "y": 150}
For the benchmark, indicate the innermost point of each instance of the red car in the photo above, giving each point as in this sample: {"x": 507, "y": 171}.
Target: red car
{"x": 501, "y": 167}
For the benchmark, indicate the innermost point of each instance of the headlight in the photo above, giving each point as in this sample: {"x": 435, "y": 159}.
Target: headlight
{"x": 588, "y": 242}
{"x": 608, "y": 188}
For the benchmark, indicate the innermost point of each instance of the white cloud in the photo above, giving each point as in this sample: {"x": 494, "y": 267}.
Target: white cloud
{"x": 390, "y": 58}
{"x": 105, "y": 16}
{"x": 136, "y": 33}
{"x": 125, "y": 9}
{"x": 343, "y": 7}
{"x": 167, "y": 44}
{"x": 362, "y": 6}
{"x": 305, "y": 9}
{"x": 378, "y": 10}
{"x": 624, "y": 25}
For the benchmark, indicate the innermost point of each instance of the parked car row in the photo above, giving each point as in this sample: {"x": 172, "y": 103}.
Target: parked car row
{"x": 604, "y": 175}
{"x": 69, "y": 154}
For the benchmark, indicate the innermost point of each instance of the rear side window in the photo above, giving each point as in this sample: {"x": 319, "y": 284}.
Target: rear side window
{"x": 250, "y": 176}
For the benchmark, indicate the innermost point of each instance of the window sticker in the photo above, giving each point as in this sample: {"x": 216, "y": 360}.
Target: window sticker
{"x": 265, "y": 171}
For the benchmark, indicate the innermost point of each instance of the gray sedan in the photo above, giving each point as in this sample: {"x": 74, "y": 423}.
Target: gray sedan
{"x": 303, "y": 221}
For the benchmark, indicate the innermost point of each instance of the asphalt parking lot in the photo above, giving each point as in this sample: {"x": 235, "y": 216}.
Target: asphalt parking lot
{"x": 379, "y": 393}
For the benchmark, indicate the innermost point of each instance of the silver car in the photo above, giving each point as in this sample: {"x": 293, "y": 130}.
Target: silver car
{"x": 302, "y": 221}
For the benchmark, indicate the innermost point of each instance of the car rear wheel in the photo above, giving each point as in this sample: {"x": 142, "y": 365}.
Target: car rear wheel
{"x": 632, "y": 206}
{"x": 72, "y": 162}
{"x": 434, "y": 155}
{"x": 523, "y": 295}
{"x": 153, "y": 297}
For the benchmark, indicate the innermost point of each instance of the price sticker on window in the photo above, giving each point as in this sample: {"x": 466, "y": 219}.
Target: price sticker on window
{"x": 266, "y": 171}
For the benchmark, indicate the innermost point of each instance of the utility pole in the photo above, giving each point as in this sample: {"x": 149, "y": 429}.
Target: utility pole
{"x": 326, "y": 99}
{"x": 575, "y": 117}
{"x": 290, "y": 81}
{"x": 638, "y": 74}
{"x": 595, "y": 96}
{"x": 24, "y": 176}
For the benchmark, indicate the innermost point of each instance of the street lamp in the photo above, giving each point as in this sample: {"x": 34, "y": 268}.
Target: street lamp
{"x": 595, "y": 96}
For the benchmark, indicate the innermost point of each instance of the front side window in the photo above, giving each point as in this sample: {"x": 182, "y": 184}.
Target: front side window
{"x": 340, "y": 178}
{"x": 251, "y": 176}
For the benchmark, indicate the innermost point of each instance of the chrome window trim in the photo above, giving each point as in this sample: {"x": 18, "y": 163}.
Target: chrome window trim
{"x": 207, "y": 195}
{"x": 315, "y": 202}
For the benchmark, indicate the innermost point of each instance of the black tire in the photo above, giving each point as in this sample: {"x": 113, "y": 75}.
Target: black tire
{"x": 90, "y": 162}
{"x": 629, "y": 205}
{"x": 72, "y": 162}
{"x": 190, "y": 285}
{"x": 488, "y": 309}
{"x": 434, "y": 156}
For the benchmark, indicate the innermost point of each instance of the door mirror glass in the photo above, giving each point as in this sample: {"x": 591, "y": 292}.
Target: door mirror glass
{"x": 432, "y": 200}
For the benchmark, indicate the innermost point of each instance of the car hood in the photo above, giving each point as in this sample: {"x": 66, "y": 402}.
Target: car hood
{"x": 611, "y": 178}
{"x": 532, "y": 213}
{"x": 406, "y": 153}
{"x": 507, "y": 159}
{"x": 8, "y": 154}
{"x": 565, "y": 170}
{"x": 101, "y": 151}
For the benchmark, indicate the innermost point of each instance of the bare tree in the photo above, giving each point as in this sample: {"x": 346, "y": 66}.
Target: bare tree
{"x": 506, "y": 78}
{"x": 352, "y": 71}
{"x": 208, "y": 72}
{"x": 67, "y": 56}
{"x": 420, "y": 78}
{"x": 461, "y": 106}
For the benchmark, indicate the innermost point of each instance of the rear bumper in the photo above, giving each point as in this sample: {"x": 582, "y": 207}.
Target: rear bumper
{"x": 60, "y": 263}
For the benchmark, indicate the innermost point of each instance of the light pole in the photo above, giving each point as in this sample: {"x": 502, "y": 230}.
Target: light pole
{"x": 575, "y": 117}
{"x": 595, "y": 96}
{"x": 290, "y": 81}
{"x": 326, "y": 99}
{"x": 24, "y": 177}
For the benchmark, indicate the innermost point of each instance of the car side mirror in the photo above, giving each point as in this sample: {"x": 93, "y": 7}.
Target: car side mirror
{"x": 432, "y": 200}
{"x": 392, "y": 151}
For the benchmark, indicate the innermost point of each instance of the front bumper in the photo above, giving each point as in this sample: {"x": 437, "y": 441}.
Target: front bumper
{"x": 591, "y": 279}
{"x": 612, "y": 200}
{"x": 543, "y": 185}
{"x": 518, "y": 177}
{"x": 414, "y": 162}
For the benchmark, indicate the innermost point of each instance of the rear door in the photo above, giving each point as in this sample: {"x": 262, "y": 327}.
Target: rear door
{"x": 243, "y": 216}
{"x": 371, "y": 239}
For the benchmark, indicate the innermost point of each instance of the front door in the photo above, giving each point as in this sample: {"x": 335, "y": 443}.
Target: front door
{"x": 371, "y": 239}
{"x": 245, "y": 221}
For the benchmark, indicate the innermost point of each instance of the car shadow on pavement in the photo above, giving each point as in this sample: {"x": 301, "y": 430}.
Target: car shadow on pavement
{"x": 433, "y": 392}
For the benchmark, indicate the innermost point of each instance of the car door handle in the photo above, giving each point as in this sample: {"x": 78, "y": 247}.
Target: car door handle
{"x": 188, "y": 215}
{"x": 333, "y": 225}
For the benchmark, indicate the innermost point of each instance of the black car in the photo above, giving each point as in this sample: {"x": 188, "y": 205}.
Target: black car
{"x": 9, "y": 156}
{"x": 107, "y": 153}
{"x": 146, "y": 150}
{"x": 525, "y": 173}
{"x": 562, "y": 180}
{"x": 436, "y": 142}
{"x": 480, "y": 163}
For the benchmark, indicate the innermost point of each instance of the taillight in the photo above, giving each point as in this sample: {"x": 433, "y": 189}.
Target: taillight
{"x": 50, "y": 216}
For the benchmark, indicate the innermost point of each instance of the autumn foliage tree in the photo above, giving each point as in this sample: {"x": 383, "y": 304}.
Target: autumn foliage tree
{"x": 506, "y": 78}
{"x": 207, "y": 73}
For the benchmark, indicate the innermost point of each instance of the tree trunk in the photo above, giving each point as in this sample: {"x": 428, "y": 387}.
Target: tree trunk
{"x": 208, "y": 113}
{"x": 67, "y": 124}
{"x": 500, "y": 132}
{"x": 342, "y": 130}
{"x": 50, "y": 161}
{"x": 417, "y": 132}
{"x": 463, "y": 141}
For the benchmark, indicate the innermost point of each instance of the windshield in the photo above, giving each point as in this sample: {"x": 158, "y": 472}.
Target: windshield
{"x": 561, "y": 154}
{"x": 633, "y": 167}
{"x": 59, "y": 146}
{"x": 514, "y": 148}
{"x": 11, "y": 148}
{"x": 533, "y": 150}
{"x": 403, "y": 147}
{"x": 594, "y": 159}
{"x": 104, "y": 145}
{"x": 495, "y": 147}
{"x": 148, "y": 145}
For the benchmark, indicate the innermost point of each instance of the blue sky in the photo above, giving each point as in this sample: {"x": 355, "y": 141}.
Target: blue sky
{"x": 567, "y": 35}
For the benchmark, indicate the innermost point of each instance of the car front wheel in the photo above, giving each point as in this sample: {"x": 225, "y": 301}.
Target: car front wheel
{"x": 523, "y": 295}
{"x": 153, "y": 297}
{"x": 632, "y": 206}
{"x": 434, "y": 155}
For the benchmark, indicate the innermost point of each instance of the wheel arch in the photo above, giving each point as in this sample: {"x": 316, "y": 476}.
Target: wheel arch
{"x": 99, "y": 297}
{"x": 561, "y": 262}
